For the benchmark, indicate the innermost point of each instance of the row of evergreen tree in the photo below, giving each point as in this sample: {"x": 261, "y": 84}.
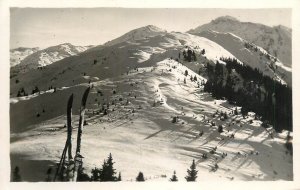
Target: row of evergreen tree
{"x": 190, "y": 55}
{"x": 251, "y": 89}
{"x": 107, "y": 173}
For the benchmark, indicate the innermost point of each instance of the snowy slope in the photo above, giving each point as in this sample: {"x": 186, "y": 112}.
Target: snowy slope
{"x": 276, "y": 40}
{"x": 18, "y": 54}
{"x": 49, "y": 55}
{"x": 253, "y": 55}
{"x": 147, "y": 140}
{"x": 138, "y": 130}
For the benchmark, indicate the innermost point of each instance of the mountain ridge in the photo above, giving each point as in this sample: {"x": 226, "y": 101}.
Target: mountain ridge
{"x": 276, "y": 40}
{"x": 251, "y": 54}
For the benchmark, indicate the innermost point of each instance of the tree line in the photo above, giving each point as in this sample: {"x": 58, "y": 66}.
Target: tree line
{"x": 253, "y": 91}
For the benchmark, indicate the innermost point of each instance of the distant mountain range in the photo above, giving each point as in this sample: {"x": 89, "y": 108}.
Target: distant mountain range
{"x": 144, "y": 45}
{"x": 18, "y": 54}
{"x": 24, "y": 59}
{"x": 265, "y": 48}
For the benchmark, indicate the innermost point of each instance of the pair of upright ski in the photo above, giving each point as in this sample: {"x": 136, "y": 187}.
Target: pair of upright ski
{"x": 69, "y": 171}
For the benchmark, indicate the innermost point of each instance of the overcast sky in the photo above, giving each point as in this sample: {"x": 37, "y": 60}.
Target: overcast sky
{"x": 44, "y": 27}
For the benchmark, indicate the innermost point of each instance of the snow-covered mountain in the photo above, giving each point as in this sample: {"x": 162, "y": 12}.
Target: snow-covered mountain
{"x": 137, "y": 34}
{"x": 18, "y": 54}
{"x": 251, "y": 54}
{"x": 275, "y": 40}
{"x": 144, "y": 82}
{"x": 47, "y": 56}
{"x": 116, "y": 59}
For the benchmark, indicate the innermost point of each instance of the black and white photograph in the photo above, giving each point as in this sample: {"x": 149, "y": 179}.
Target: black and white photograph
{"x": 151, "y": 94}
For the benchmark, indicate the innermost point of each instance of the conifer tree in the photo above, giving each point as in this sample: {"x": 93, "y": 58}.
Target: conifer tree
{"x": 82, "y": 176}
{"x": 186, "y": 73}
{"x": 244, "y": 111}
{"x": 225, "y": 116}
{"x": 140, "y": 177}
{"x": 220, "y": 129}
{"x": 16, "y": 175}
{"x": 95, "y": 174}
{"x": 119, "y": 177}
{"x": 194, "y": 55}
{"x": 192, "y": 172}
{"x": 49, "y": 171}
{"x": 108, "y": 172}
{"x": 103, "y": 172}
{"x": 174, "y": 177}
{"x": 19, "y": 94}
{"x": 184, "y": 54}
{"x": 203, "y": 52}
{"x": 236, "y": 111}
{"x": 189, "y": 55}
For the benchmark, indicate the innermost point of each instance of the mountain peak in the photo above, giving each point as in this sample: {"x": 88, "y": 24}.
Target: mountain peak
{"x": 283, "y": 28}
{"x": 137, "y": 34}
{"x": 225, "y": 18}
{"x": 148, "y": 28}
{"x": 63, "y": 44}
{"x": 153, "y": 28}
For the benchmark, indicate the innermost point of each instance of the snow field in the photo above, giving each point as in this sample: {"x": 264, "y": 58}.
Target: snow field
{"x": 146, "y": 139}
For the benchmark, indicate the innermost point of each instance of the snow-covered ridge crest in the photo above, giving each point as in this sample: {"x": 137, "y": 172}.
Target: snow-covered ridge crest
{"x": 277, "y": 61}
{"x": 137, "y": 34}
{"x": 213, "y": 50}
{"x": 225, "y": 19}
{"x": 251, "y": 54}
{"x": 276, "y": 40}
{"x": 169, "y": 44}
